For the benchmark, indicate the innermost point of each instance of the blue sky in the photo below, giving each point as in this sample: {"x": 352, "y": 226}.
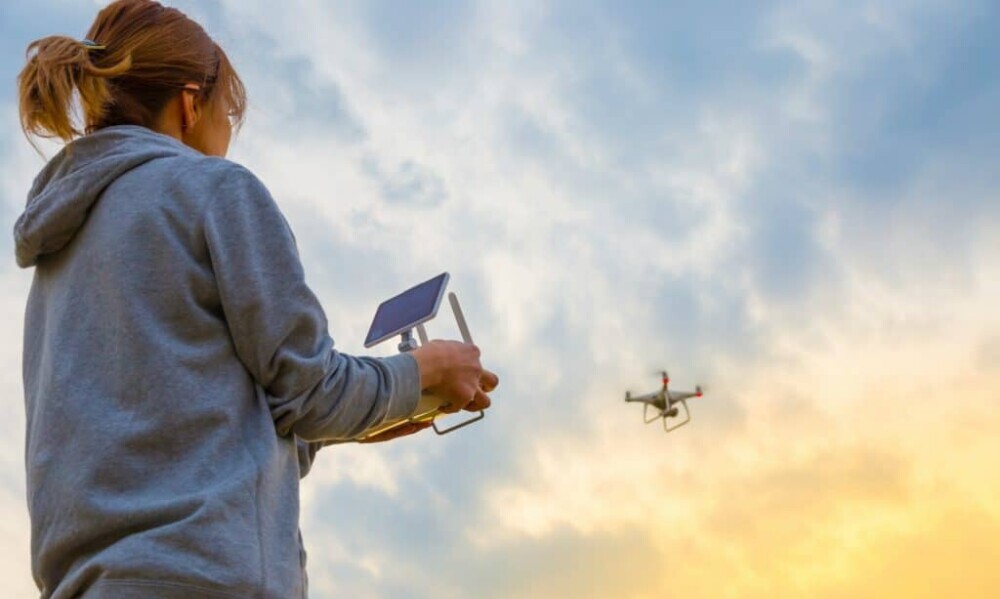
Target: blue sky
{"x": 794, "y": 203}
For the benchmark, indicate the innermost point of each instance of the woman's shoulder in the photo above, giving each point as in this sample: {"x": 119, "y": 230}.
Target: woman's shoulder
{"x": 215, "y": 177}
{"x": 199, "y": 168}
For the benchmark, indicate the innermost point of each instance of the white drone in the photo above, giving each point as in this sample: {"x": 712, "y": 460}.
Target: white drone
{"x": 665, "y": 403}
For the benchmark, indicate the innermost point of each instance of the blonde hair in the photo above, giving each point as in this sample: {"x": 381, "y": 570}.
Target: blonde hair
{"x": 138, "y": 54}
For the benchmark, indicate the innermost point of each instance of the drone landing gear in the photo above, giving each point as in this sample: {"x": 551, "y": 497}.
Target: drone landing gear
{"x": 665, "y": 414}
{"x": 645, "y": 411}
{"x": 673, "y": 412}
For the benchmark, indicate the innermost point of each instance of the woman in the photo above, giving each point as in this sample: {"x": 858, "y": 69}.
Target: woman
{"x": 178, "y": 372}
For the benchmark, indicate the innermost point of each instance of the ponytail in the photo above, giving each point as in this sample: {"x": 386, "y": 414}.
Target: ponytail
{"x": 60, "y": 69}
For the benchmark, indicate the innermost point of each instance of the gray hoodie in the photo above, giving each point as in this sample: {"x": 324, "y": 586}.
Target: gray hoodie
{"x": 178, "y": 376}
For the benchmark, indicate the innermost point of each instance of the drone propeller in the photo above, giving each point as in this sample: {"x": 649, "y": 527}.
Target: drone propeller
{"x": 665, "y": 378}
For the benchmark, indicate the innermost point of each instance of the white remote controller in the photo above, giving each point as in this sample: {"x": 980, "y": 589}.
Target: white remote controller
{"x": 429, "y": 405}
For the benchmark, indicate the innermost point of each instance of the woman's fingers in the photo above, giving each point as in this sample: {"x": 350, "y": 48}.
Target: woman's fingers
{"x": 464, "y": 383}
{"x": 479, "y": 398}
{"x": 476, "y": 400}
{"x": 488, "y": 381}
{"x": 481, "y": 401}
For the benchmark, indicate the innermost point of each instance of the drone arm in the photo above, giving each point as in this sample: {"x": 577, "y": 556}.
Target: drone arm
{"x": 677, "y": 397}
{"x": 647, "y": 398}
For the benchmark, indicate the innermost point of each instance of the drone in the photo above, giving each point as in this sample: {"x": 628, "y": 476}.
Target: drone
{"x": 665, "y": 403}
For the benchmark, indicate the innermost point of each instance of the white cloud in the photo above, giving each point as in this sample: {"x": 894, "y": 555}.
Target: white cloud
{"x": 17, "y": 170}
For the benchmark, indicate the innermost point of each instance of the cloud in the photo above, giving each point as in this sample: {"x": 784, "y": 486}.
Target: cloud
{"x": 16, "y": 172}
{"x": 408, "y": 182}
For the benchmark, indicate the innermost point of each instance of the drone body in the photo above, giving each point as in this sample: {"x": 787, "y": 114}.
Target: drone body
{"x": 664, "y": 402}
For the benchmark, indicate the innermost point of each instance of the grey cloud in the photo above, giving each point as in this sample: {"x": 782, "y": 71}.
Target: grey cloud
{"x": 702, "y": 328}
{"x": 787, "y": 259}
{"x": 24, "y": 22}
{"x": 657, "y": 66}
{"x": 911, "y": 107}
{"x": 311, "y": 103}
{"x": 408, "y": 28}
{"x": 357, "y": 273}
{"x": 421, "y": 564}
{"x": 316, "y": 106}
{"x": 407, "y": 183}
{"x": 318, "y": 103}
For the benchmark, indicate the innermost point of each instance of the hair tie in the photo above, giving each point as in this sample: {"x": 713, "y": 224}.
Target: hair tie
{"x": 92, "y": 45}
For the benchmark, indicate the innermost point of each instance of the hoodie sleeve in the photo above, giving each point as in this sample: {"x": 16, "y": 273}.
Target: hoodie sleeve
{"x": 280, "y": 330}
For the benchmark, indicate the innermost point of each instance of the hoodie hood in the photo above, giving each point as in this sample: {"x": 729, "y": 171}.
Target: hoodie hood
{"x": 71, "y": 183}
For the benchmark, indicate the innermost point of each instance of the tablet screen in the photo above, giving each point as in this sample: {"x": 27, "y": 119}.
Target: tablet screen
{"x": 406, "y": 310}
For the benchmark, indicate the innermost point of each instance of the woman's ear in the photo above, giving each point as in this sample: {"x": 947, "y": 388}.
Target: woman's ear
{"x": 190, "y": 109}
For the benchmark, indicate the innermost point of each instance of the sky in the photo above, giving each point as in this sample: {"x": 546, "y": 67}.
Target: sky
{"x": 796, "y": 205}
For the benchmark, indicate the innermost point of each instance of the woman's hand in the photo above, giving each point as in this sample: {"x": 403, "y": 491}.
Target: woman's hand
{"x": 452, "y": 371}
